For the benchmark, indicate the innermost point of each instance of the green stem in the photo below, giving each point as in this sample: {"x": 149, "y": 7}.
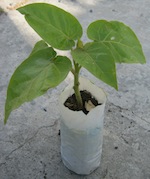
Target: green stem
{"x": 76, "y": 85}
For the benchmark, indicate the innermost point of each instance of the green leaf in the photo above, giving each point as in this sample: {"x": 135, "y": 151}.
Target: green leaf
{"x": 56, "y": 26}
{"x": 39, "y": 72}
{"x": 98, "y": 60}
{"x": 120, "y": 39}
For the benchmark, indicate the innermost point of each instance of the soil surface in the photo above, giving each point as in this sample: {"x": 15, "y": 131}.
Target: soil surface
{"x": 88, "y": 100}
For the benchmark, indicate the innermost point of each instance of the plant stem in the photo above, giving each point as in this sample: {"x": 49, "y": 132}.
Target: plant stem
{"x": 76, "y": 85}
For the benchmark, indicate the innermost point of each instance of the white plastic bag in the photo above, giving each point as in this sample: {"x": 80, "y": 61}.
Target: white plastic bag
{"x": 81, "y": 134}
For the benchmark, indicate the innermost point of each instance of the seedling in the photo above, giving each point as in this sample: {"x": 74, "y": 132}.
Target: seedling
{"x": 110, "y": 42}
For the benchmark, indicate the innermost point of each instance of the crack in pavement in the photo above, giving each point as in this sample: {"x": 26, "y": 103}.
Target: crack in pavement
{"x": 6, "y": 141}
{"x": 131, "y": 113}
{"x": 26, "y": 141}
{"x": 124, "y": 109}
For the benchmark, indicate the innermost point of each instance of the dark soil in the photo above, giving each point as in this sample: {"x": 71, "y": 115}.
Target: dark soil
{"x": 71, "y": 102}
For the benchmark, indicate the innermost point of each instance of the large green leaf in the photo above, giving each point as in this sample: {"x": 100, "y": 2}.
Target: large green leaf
{"x": 120, "y": 39}
{"x": 39, "y": 72}
{"x": 56, "y": 26}
{"x": 98, "y": 60}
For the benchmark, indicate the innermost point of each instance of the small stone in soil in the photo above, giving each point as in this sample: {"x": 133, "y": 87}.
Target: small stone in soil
{"x": 89, "y": 105}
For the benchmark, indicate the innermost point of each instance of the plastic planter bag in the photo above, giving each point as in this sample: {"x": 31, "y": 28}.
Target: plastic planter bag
{"x": 81, "y": 134}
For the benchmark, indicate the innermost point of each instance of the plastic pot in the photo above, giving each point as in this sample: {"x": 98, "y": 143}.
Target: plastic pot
{"x": 81, "y": 134}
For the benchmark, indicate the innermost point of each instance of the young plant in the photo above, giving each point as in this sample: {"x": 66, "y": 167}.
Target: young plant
{"x": 111, "y": 42}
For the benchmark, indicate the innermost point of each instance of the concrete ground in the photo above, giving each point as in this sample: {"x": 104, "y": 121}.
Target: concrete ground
{"x": 30, "y": 144}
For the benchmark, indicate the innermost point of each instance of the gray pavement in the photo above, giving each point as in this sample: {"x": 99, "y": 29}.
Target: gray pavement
{"x": 30, "y": 144}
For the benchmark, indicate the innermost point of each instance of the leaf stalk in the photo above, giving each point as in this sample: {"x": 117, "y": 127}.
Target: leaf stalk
{"x": 76, "y": 85}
